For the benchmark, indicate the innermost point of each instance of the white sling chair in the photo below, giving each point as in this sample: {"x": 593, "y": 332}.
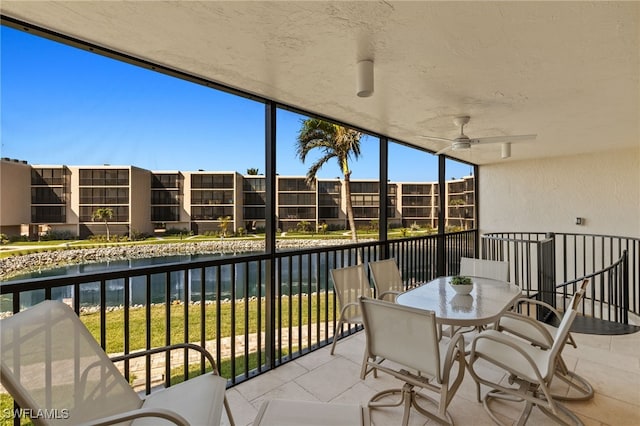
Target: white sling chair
{"x": 542, "y": 335}
{"x": 530, "y": 367}
{"x": 349, "y": 283}
{"x": 386, "y": 279}
{"x": 50, "y": 361}
{"x": 493, "y": 269}
{"x": 403, "y": 342}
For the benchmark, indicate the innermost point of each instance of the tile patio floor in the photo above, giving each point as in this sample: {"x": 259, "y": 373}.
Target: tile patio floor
{"x": 610, "y": 363}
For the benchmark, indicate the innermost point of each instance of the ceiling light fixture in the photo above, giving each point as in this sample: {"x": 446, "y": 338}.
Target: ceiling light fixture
{"x": 365, "y": 78}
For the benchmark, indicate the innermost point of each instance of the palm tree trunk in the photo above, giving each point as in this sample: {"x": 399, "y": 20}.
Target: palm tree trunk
{"x": 352, "y": 222}
{"x": 106, "y": 225}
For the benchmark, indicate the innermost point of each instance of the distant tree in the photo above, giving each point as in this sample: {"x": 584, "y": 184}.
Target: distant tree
{"x": 224, "y": 224}
{"x": 333, "y": 141}
{"x": 457, "y": 203}
{"x": 103, "y": 214}
{"x": 253, "y": 172}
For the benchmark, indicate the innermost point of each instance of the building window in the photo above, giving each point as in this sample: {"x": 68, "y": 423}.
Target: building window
{"x": 165, "y": 213}
{"x": 104, "y": 195}
{"x": 328, "y": 212}
{"x": 47, "y": 195}
{"x": 297, "y": 185}
{"x": 210, "y": 212}
{"x": 120, "y": 213}
{"x": 297, "y": 199}
{"x": 222, "y": 181}
{"x": 211, "y": 197}
{"x": 253, "y": 184}
{"x": 48, "y": 214}
{"x": 253, "y": 198}
{"x": 165, "y": 180}
{"x": 254, "y": 213}
{"x": 51, "y": 177}
{"x": 297, "y": 213}
{"x": 104, "y": 177}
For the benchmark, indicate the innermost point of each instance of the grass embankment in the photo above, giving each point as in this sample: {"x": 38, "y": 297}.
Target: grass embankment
{"x": 298, "y": 310}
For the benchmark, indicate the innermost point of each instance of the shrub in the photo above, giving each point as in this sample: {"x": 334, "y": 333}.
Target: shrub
{"x": 58, "y": 235}
{"x": 4, "y": 239}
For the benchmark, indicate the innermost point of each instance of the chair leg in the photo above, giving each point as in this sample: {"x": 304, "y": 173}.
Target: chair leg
{"x": 335, "y": 335}
{"x": 228, "y": 410}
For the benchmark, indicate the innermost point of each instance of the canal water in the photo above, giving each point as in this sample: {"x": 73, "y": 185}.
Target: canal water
{"x": 232, "y": 281}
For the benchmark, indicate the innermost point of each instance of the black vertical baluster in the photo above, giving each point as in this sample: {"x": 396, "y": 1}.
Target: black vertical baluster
{"x": 218, "y": 277}
{"x": 309, "y": 302}
{"x": 290, "y": 304}
{"x": 167, "y": 325}
{"x": 247, "y": 328}
{"x": 126, "y": 331}
{"x": 186, "y": 302}
{"x": 300, "y": 289}
{"x": 203, "y": 317}
{"x": 279, "y": 296}
{"x": 259, "y": 314}
{"x": 318, "y": 298}
{"x": 233, "y": 320}
{"x": 147, "y": 387}
{"x": 103, "y": 315}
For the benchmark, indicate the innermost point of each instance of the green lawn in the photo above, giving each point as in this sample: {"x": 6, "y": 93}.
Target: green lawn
{"x": 137, "y": 321}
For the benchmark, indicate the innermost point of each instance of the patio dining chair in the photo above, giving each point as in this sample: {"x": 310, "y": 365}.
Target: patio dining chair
{"x": 51, "y": 363}
{"x": 530, "y": 368}
{"x": 542, "y": 334}
{"x": 386, "y": 279}
{"x": 493, "y": 269}
{"x": 350, "y": 283}
{"x": 402, "y": 341}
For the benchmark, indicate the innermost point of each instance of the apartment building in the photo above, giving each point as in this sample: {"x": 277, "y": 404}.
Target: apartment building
{"x": 39, "y": 199}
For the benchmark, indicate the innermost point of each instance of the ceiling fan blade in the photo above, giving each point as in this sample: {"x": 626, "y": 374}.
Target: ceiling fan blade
{"x": 503, "y": 139}
{"x": 443, "y": 150}
{"x": 434, "y": 138}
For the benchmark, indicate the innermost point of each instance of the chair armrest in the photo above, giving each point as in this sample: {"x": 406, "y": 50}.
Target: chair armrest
{"x": 135, "y": 414}
{"x": 532, "y": 324}
{"x": 161, "y": 349}
{"x": 539, "y": 303}
{"x": 507, "y": 342}
{"x": 348, "y": 305}
{"x": 389, "y": 292}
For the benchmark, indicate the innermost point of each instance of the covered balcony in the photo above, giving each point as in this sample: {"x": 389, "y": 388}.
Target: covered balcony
{"x": 567, "y": 72}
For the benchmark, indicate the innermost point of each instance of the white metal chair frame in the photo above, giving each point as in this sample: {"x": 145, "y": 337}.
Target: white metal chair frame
{"x": 387, "y": 279}
{"x": 542, "y": 335}
{"x": 350, "y": 283}
{"x": 530, "y": 367}
{"x": 49, "y": 358}
{"x": 407, "y": 337}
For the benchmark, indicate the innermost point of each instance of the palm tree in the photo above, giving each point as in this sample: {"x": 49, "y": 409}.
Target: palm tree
{"x": 457, "y": 202}
{"x": 103, "y": 214}
{"x": 336, "y": 142}
{"x": 253, "y": 171}
{"x": 224, "y": 224}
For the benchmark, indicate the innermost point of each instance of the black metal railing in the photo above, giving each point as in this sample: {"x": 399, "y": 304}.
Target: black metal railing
{"x": 221, "y": 304}
{"x": 550, "y": 262}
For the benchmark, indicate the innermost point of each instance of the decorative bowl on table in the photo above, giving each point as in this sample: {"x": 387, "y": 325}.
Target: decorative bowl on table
{"x": 461, "y": 284}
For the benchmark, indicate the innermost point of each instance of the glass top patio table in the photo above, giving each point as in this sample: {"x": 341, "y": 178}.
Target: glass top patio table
{"x": 488, "y": 300}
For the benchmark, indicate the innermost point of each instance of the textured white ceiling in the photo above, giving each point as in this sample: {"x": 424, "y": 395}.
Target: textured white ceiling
{"x": 568, "y": 71}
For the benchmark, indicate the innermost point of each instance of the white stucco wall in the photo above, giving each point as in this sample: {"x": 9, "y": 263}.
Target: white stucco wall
{"x": 548, "y": 194}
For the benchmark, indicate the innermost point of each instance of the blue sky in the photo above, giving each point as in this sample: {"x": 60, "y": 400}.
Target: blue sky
{"x": 62, "y": 105}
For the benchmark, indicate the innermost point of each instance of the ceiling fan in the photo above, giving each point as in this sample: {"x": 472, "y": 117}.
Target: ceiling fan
{"x": 463, "y": 141}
